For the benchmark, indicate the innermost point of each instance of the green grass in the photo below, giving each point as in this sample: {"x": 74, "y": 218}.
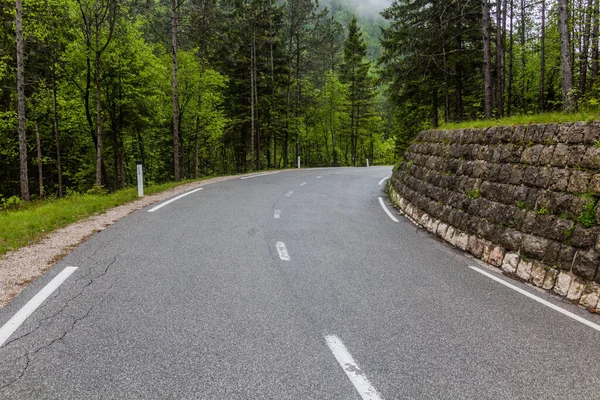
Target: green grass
{"x": 543, "y": 118}
{"x": 31, "y": 221}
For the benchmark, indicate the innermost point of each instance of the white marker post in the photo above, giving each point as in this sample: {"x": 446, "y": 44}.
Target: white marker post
{"x": 140, "y": 178}
{"x": 298, "y": 162}
{"x": 367, "y": 163}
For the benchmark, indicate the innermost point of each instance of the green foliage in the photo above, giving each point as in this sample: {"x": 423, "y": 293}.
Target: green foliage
{"x": 473, "y": 194}
{"x": 12, "y": 203}
{"x": 543, "y": 211}
{"x": 588, "y": 215}
{"x": 521, "y": 205}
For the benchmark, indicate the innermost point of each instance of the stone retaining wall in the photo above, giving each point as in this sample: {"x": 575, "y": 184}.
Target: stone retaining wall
{"x": 521, "y": 198}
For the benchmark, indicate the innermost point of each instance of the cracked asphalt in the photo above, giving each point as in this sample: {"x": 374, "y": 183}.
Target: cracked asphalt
{"x": 193, "y": 301}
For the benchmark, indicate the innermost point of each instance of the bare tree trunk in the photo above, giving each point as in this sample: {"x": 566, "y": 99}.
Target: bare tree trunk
{"x": 252, "y": 156}
{"x": 583, "y": 56}
{"x": 511, "y": 78}
{"x": 56, "y": 132}
{"x": 23, "y": 176}
{"x": 487, "y": 59}
{"x": 523, "y": 59}
{"x": 256, "y": 111}
{"x": 39, "y": 160}
{"x": 174, "y": 27}
{"x": 542, "y": 97}
{"x": 594, "y": 67}
{"x": 500, "y": 54}
{"x": 98, "y": 118}
{"x": 565, "y": 56}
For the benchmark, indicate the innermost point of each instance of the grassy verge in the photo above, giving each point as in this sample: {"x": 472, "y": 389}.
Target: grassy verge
{"x": 33, "y": 220}
{"x": 543, "y": 118}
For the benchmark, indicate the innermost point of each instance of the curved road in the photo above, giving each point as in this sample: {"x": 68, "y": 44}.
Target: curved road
{"x": 293, "y": 285}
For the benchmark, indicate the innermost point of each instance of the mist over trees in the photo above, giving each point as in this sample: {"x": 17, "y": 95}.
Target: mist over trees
{"x": 190, "y": 87}
{"x": 455, "y": 61}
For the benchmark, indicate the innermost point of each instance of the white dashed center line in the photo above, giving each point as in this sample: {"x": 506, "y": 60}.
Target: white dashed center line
{"x": 158, "y": 207}
{"x": 386, "y": 210}
{"x": 13, "y": 324}
{"x": 303, "y": 183}
{"x": 319, "y": 177}
{"x": 338, "y": 173}
{"x": 277, "y": 214}
{"x": 383, "y": 180}
{"x": 351, "y": 368}
{"x": 288, "y": 194}
{"x": 282, "y": 251}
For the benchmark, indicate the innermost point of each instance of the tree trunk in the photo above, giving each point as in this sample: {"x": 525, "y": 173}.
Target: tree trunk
{"x": 509, "y": 97}
{"x": 174, "y": 27}
{"x": 583, "y": 56}
{"x": 487, "y": 59}
{"x": 565, "y": 56}
{"x": 542, "y": 96}
{"x": 56, "y": 132}
{"x": 594, "y": 67}
{"x": 434, "y": 112}
{"x": 23, "y": 176}
{"x": 39, "y": 160}
{"x": 500, "y": 53}
{"x": 252, "y": 156}
{"x": 98, "y": 118}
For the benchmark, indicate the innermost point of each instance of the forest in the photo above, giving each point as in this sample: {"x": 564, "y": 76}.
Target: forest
{"x": 190, "y": 88}
{"x": 452, "y": 61}
{"x": 196, "y": 88}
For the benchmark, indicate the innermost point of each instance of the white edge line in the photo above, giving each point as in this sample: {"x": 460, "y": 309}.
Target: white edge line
{"x": 352, "y": 370}
{"x": 13, "y": 324}
{"x": 386, "y": 210}
{"x": 161, "y": 205}
{"x": 257, "y": 175}
{"x": 383, "y": 180}
{"x": 539, "y": 300}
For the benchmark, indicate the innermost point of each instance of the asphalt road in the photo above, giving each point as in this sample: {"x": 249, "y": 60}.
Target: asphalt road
{"x": 199, "y": 299}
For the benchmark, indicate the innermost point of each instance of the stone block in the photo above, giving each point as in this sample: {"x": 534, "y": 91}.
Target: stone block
{"x": 546, "y": 156}
{"x": 576, "y": 290}
{"x": 475, "y": 246}
{"x": 534, "y": 246}
{"x": 524, "y": 270}
{"x": 576, "y": 133}
{"x": 586, "y": 264}
{"x": 566, "y": 257}
{"x": 538, "y": 273}
{"x": 562, "y": 133}
{"x": 584, "y": 237}
{"x": 591, "y": 159}
{"x": 461, "y": 241}
{"x": 578, "y": 182}
{"x": 559, "y": 158}
{"x": 487, "y": 250}
{"x": 449, "y": 234}
{"x": 590, "y": 298}
{"x": 519, "y": 134}
{"x": 510, "y": 263}
{"x": 511, "y": 239}
{"x": 552, "y": 252}
{"x": 594, "y": 185}
{"x": 563, "y": 283}
{"x": 575, "y": 155}
{"x": 560, "y": 179}
{"x": 592, "y": 132}
{"x": 550, "y": 278}
{"x": 496, "y": 256}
